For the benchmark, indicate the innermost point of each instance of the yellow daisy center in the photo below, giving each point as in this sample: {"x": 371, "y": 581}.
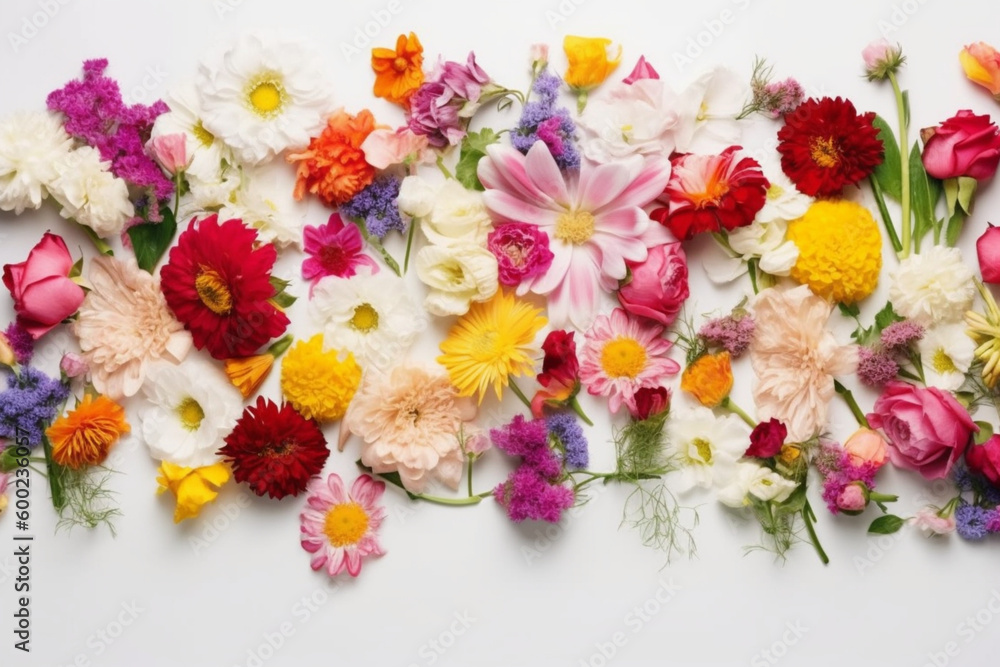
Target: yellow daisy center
{"x": 575, "y": 227}
{"x": 400, "y": 64}
{"x": 205, "y": 137}
{"x": 823, "y": 152}
{"x": 213, "y": 292}
{"x": 190, "y": 413}
{"x": 775, "y": 191}
{"x": 486, "y": 347}
{"x": 704, "y": 449}
{"x": 623, "y": 357}
{"x": 365, "y": 318}
{"x": 702, "y": 112}
{"x": 265, "y": 96}
{"x": 345, "y": 524}
{"x": 942, "y": 362}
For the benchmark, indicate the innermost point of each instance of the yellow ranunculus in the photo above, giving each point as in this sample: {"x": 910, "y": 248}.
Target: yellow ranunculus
{"x": 591, "y": 61}
{"x": 193, "y": 487}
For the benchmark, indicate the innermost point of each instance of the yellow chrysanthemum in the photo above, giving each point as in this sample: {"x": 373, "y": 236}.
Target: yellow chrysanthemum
{"x": 193, "y": 487}
{"x": 840, "y": 250}
{"x": 319, "y": 384}
{"x": 490, "y": 343}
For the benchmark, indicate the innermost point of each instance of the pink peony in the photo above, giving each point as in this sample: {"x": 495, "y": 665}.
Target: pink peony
{"x": 659, "y": 285}
{"x": 522, "y": 252}
{"x": 927, "y": 429}
{"x": 988, "y": 250}
{"x": 43, "y": 293}
{"x": 963, "y": 145}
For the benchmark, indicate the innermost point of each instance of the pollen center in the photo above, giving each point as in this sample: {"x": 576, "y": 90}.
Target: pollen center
{"x": 775, "y": 191}
{"x": 623, "y": 357}
{"x": 702, "y": 451}
{"x": 213, "y": 292}
{"x": 345, "y": 524}
{"x": 400, "y": 64}
{"x": 942, "y": 362}
{"x": 823, "y": 152}
{"x": 204, "y": 137}
{"x": 190, "y": 413}
{"x": 266, "y": 97}
{"x": 575, "y": 227}
{"x": 365, "y": 318}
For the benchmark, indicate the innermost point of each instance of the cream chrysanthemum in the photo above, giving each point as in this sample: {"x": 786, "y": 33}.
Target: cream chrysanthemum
{"x": 190, "y": 409}
{"x": 90, "y": 194}
{"x": 932, "y": 287}
{"x": 31, "y": 144}
{"x": 262, "y": 96}
{"x": 124, "y": 324}
{"x": 370, "y": 316}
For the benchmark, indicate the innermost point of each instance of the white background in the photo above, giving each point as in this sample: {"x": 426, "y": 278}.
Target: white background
{"x": 530, "y": 594}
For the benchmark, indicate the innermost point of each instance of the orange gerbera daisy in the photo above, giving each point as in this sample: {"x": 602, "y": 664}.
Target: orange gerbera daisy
{"x": 334, "y": 166}
{"x": 398, "y": 73}
{"x": 83, "y": 437}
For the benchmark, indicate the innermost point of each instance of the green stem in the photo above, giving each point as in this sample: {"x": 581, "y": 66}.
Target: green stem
{"x": 375, "y": 243}
{"x": 278, "y": 347}
{"x": 573, "y": 403}
{"x": 882, "y": 497}
{"x": 469, "y": 478}
{"x": 883, "y": 210}
{"x": 99, "y": 243}
{"x": 55, "y": 476}
{"x": 848, "y": 397}
{"x": 454, "y": 502}
{"x": 728, "y": 404}
{"x": 904, "y": 166}
{"x": 409, "y": 245}
{"x": 444, "y": 169}
{"x": 520, "y": 394}
{"x": 808, "y": 516}
{"x": 177, "y": 192}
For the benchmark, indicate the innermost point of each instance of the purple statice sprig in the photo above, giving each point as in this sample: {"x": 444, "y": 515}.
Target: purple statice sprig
{"x": 568, "y": 436}
{"x": 533, "y": 490}
{"x": 899, "y": 336}
{"x": 733, "y": 333}
{"x": 20, "y": 342}
{"x": 376, "y": 207}
{"x": 30, "y": 402}
{"x": 541, "y": 120}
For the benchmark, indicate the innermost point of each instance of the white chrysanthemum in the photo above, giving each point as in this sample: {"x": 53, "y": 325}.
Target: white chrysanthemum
{"x": 370, "y": 316}
{"x": 191, "y": 408}
{"x": 90, "y": 194}
{"x": 631, "y": 119}
{"x": 457, "y": 276}
{"x": 703, "y": 445}
{"x": 932, "y": 287}
{"x": 207, "y": 154}
{"x": 751, "y": 479}
{"x": 708, "y": 111}
{"x": 766, "y": 241}
{"x": 31, "y": 144}
{"x": 784, "y": 202}
{"x": 269, "y": 212}
{"x": 946, "y": 352}
{"x": 262, "y": 96}
{"x": 458, "y": 216}
{"x": 207, "y": 197}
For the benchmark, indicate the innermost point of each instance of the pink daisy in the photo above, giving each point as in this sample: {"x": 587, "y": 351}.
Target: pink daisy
{"x": 340, "y": 528}
{"x": 593, "y": 218}
{"x": 622, "y": 355}
{"x": 334, "y": 249}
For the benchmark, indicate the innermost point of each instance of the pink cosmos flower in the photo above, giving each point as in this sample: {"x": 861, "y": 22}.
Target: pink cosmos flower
{"x": 622, "y": 355}
{"x": 334, "y": 249}
{"x": 341, "y": 528}
{"x": 593, "y": 218}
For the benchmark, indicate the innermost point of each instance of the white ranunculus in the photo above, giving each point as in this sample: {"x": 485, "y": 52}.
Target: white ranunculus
{"x": 932, "y": 287}
{"x": 90, "y": 194}
{"x": 630, "y": 119}
{"x": 32, "y": 143}
{"x": 268, "y": 210}
{"x": 751, "y": 479}
{"x": 416, "y": 197}
{"x": 457, "y": 275}
{"x": 458, "y": 216}
{"x": 702, "y": 444}
{"x": 768, "y": 242}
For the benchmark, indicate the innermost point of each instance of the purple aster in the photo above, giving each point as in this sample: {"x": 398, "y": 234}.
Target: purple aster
{"x": 732, "y": 333}
{"x": 875, "y": 367}
{"x": 528, "y": 495}
{"x": 29, "y": 404}
{"x": 542, "y": 120}
{"x": 899, "y": 335}
{"x": 376, "y": 206}
{"x": 530, "y": 441}
{"x": 21, "y": 342}
{"x": 971, "y": 521}
{"x": 564, "y": 427}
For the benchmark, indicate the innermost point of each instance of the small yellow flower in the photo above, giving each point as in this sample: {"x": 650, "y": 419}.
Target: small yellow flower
{"x": 319, "y": 384}
{"x": 193, "y": 487}
{"x": 591, "y": 61}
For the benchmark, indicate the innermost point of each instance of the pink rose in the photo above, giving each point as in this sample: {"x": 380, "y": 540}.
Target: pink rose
{"x": 988, "y": 250}
{"x": 73, "y": 365}
{"x": 964, "y": 145}
{"x": 866, "y": 446}
{"x": 852, "y": 499}
{"x": 927, "y": 429}
{"x": 43, "y": 294}
{"x": 659, "y": 286}
{"x": 642, "y": 70}
{"x": 170, "y": 150}
{"x": 985, "y": 459}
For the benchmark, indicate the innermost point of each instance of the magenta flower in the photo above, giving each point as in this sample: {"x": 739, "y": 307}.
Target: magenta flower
{"x": 522, "y": 252}
{"x": 593, "y": 218}
{"x": 334, "y": 249}
{"x": 642, "y": 70}
{"x": 441, "y": 107}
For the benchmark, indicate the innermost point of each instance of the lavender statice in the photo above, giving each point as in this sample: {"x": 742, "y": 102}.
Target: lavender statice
{"x": 733, "y": 333}
{"x": 876, "y": 368}
{"x": 541, "y": 120}
{"x": 898, "y": 336}
{"x": 20, "y": 342}
{"x": 971, "y": 521}
{"x": 29, "y": 404}
{"x": 566, "y": 430}
{"x": 376, "y": 207}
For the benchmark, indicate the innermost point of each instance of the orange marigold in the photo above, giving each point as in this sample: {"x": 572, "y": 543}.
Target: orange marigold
{"x": 83, "y": 437}
{"x": 334, "y": 166}
{"x": 398, "y": 73}
{"x": 709, "y": 379}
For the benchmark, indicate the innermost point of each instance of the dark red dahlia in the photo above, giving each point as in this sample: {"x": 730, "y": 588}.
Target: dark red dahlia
{"x": 709, "y": 193}
{"x": 275, "y": 450}
{"x": 825, "y": 145}
{"x": 218, "y": 285}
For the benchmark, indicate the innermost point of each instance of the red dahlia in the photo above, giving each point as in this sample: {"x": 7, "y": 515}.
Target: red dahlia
{"x": 218, "y": 286}
{"x": 826, "y": 145}
{"x": 275, "y": 450}
{"x": 709, "y": 193}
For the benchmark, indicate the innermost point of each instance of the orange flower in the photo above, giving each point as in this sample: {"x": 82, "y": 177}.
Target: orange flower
{"x": 334, "y": 166}
{"x": 248, "y": 373}
{"x": 84, "y": 436}
{"x": 398, "y": 73}
{"x": 981, "y": 63}
{"x": 709, "y": 379}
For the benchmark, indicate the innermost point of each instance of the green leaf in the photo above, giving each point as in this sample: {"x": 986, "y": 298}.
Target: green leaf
{"x": 985, "y": 432}
{"x": 391, "y": 477}
{"x": 795, "y": 502}
{"x": 885, "y": 317}
{"x": 281, "y": 298}
{"x": 923, "y": 196}
{"x": 851, "y": 311}
{"x": 886, "y": 525}
{"x": 966, "y": 191}
{"x": 151, "y": 239}
{"x": 889, "y": 173}
{"x": 76, "y": 270}
{"x": 473, "y": 150}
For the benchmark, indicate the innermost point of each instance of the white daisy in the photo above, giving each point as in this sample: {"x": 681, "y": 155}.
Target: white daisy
{"x": 209, "y": 156}
{"x": 262, "y": 96}
{"x": 371, "y": 316}
{"x": 207, "y": 197}
{"x": 784, "y": 202}
{"x": 946, "y": 353}
{"x": 90, "y": 194}
{"x": 191, "y": 407}
{"x": 704, "y": 445}
{"x": 31, "y": 143}
{"x": 268, "y": 210}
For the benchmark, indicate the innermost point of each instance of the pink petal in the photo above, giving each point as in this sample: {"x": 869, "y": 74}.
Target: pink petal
{"x": 602, "y": 185}
{"x": 648, "y": 185}
{"x": 49, "y": 258}
{"x": 541, "y": 167}
{"x": 505, "y": 169}
{"x": 562, "y": 256}
{"x": 506, "y": 207}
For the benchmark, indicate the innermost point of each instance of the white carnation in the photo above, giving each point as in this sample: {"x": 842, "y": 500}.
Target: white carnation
{"x": 90, "y": 194}
{"x": 31, "y": 144}
{"x": 932, "y": 287}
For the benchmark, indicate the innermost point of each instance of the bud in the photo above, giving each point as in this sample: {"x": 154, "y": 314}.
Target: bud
{"x": 73, "y": 365}
{"x": 170, "y": 150}
{"x": 882, "y": 59}
{"x": 866, "y": 446}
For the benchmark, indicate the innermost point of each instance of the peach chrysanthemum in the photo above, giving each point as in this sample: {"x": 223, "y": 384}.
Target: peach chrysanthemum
{"x": 124, "y": 325}
{"x": 410, "y": 420}
{"x": 334, "y": 166}
{"x": 795, "y": 358}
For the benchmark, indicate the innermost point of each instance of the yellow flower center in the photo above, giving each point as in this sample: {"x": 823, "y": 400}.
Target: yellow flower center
{"x": 715, "y": 189}
{"x": 365, "y": 318}
{"x": 190, "y": 413}
{"x": 823, "y": 152}
{"x": 775, "y": 191}
{"x": 702, "y": 112}
{"x": 202, "y": 135}
{"x": 789, "y": 454}
{"x": 486, "y": 347}
{"x": 345, "y": 524}
{"x": 213, "y": 292}
{"x": 623, "y": 357}
{"x": 942, "y": 362}
{"x": 575, "y": 227}
{"x": 265, "y": 96}
{"x": 400, "y": 64}
{"x": 704, "y": 449}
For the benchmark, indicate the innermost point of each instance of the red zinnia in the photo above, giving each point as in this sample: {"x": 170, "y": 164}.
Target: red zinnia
{"x": 275, "y": 450}
{"x": 218, "y": 286}
{"x": 826, "y": 145}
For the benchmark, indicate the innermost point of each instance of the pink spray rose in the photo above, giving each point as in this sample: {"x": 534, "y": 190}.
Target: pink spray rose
{"x": 927, "y": 429}
{"x": 659, "y": 285}
{"x": 985, "y": 459}
{"x": 866, "y": 446}
{"x": 964, "y": 145}
{"x": 988, "y": 250}
{"x": 43, "y": 293}
{"x": 170, "y": 150}
{"x": 852, "y": 499}
{"x": 522, "y": 252}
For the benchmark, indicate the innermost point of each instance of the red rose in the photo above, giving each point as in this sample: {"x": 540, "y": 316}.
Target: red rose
{"x": 988, "y": 250}
{"x": 659, "y": 285}
{"x": 43, "y": 293}
{"x": 650, "y": 402}
{"x": 964, "y": 145}
{"x": 766, "y": 439}
{"x": 985, "y": 459}
{"x": 560, "y": 376}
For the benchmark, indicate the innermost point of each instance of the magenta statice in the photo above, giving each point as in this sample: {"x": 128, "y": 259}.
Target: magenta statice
{"x": 21, "y": 342}
{"x": 845, "y": 481}
{"x": 527, "y": 494}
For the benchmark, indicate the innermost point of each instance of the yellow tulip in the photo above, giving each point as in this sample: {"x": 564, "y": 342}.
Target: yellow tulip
{"x": 193, "y": 487}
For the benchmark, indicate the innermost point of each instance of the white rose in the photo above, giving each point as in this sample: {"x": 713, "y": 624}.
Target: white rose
{"x": 458, "y": 216}
{"x": 457, "y": 275}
